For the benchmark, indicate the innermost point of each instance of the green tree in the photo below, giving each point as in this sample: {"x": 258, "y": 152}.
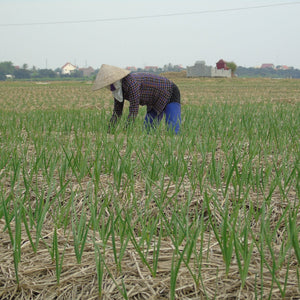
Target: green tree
{"x": 76, "y": 74}
{"x": 232, "y": 66}
{"x": 6, "y": 68}
{"x": 22, "y": 74}
{"x": 46, "y": 73}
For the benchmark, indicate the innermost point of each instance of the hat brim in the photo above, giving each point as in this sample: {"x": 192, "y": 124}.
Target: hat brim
{"x": 108, "y": 75}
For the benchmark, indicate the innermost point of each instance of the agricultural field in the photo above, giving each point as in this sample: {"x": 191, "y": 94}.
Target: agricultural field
{"x": 212, "y": 213}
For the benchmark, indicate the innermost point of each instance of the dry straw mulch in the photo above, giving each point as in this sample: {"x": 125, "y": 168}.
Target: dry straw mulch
{"x": 37, "y": 271}
{"x": 79, "y": 281}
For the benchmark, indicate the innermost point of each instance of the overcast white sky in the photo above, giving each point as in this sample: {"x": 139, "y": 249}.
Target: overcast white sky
{"x": 249, "y": 37}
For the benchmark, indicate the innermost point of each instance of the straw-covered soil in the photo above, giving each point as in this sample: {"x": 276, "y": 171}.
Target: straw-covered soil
{"x": 79, "y": 281}
{"x": 201, "y": 273}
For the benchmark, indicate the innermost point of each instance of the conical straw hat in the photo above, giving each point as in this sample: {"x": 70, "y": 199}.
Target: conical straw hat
{"x": 108, "y": 75}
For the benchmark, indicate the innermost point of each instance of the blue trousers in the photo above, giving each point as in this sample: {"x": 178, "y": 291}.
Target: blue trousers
{"x": 173, "y": 117}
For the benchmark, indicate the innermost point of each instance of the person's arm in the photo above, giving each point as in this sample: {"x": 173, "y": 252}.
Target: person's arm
{"x": 117, "y": 113}
{"x": 134, "y": 100}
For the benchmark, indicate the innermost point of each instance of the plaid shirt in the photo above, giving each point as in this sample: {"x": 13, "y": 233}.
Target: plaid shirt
{"x": 143, "y": 89}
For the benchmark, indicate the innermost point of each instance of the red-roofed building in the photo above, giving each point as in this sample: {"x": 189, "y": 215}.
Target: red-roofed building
{"x": 267, "y": 66}
{"x": 221, "y": 64}
{"x": 68, "y": 68}
{"x": 283, "y": 67}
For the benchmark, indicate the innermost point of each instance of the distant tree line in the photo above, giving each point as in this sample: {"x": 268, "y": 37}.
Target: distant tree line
{"x": 7, "y": 68}
{"x": 267, "y": 72}
{"x": 8, "y": 71}
{"x": 157, "y": 70}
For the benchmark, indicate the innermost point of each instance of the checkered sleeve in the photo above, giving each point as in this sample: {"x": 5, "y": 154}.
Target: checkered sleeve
{"x": 134, "y": 94}
{"x": 117, "y": 113}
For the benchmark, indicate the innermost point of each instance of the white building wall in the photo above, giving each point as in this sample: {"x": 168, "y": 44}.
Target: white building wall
{"x": 67, "y": 69}
{"x": 201, "y": 70}
{"x": 220, "y": 73}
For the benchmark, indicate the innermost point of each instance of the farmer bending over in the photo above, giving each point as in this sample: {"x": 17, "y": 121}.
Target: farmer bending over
{"x": 160, "y": 95}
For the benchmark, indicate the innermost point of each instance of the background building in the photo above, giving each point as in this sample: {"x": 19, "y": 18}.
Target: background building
{"x": 201, "y": 70}
{"x": 68, "y": 68}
